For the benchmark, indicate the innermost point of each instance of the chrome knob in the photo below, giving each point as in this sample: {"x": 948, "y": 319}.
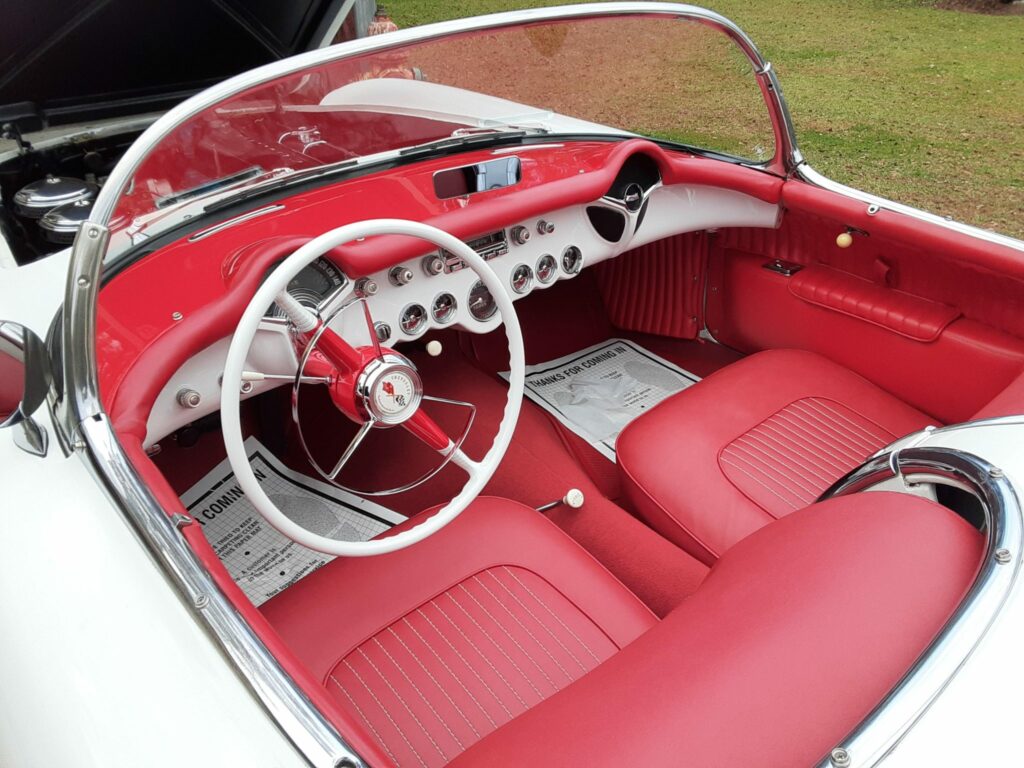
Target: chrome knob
{"x": 188, "y": 398}
{"x": 365, "y": 287}
{"x": 545, "y": 227}
{"x": 383, "y": 331}
{"x": 520, "y": 235}
{"x": 400, "y": 276}
{"x": 433, "y": 265}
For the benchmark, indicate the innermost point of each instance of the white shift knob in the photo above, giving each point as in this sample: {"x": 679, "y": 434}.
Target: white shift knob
{"x": 434, "y": 348}
{"x": 574, "y": 498}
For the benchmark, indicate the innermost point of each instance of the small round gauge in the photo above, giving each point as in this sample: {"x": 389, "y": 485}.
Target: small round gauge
{"x": 312, "y": 286}
{"x": 413, "y": 320}
{"x": 481, "y": 302}
{"x": 572, "y": 260}
{"x": 522, "y": 278}
{"x": 547, "y": 268}
{"x": 443, "y": 309}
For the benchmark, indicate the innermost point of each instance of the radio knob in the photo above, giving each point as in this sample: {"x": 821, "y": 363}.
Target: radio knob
{"x": 433, "y": 265}
{"x": 400, "y": 276}
{"x": 520, "y": 235}
{"x": 189, "y": 398}
{"x": 545, "y": 227}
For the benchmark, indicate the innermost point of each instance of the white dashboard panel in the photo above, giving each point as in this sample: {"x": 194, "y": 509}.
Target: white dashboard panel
{"x": 672, "y": 210}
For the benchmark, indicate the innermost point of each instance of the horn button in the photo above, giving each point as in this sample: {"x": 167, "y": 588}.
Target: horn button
{"x": 390, "y": 389}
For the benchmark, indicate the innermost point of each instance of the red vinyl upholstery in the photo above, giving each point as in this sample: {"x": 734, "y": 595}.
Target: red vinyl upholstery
{"x": 752, "y": 443}
{"x": 436, "y": 646}
{"x": 796, "y": 634}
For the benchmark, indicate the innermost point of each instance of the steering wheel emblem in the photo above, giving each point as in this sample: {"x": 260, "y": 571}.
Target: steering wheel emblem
{"x": 390, "y": 389}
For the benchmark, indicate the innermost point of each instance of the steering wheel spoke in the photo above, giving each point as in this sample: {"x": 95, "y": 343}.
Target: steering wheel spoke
{"x": 353, "y": 446}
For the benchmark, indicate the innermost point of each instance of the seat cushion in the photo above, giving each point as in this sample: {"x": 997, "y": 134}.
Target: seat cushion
{"x": 751, "y": 443}
{"x": 796, "y": 635}
{"x": 437, "y": 645}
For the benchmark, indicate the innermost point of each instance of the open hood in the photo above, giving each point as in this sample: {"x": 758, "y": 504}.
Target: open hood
{"x": 64, "y": 61}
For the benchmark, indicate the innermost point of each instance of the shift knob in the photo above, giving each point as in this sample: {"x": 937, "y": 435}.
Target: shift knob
{"x": 574, "y": 498}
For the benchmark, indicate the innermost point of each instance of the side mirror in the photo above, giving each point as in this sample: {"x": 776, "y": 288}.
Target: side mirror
{"x": 24, "y": 382}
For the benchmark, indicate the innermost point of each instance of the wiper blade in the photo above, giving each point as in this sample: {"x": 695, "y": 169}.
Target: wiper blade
{"x": 464, "y": 137}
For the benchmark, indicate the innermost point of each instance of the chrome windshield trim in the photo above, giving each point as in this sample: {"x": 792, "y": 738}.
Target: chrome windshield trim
{"x": 890, "y": 721}
{"x": 121, "y": 176}
{"x": 806, "y": 173}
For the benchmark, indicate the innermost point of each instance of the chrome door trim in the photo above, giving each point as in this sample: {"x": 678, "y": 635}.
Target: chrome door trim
{"x": 889, "y": 722}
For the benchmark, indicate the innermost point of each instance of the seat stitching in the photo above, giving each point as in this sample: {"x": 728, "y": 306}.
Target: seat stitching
{"x": 822, "y": 431}
{"x": 526, "y": 629}
{"x": 536, "y": 618}
{"x": 386, "y": 713}
{"x": 835, "y": 429}
{"x": 811, "y": 474}
{"x": 766, "y": 478}
{"x": 366, "y": 720}
{"x": 470, "y": 667}
{"x": 800, "y": 431}
{"x": 762, "y": 466}
{"x": 813, "y": 460}
{"x": 865, "y": 425}
{"x": 725, "y": 459}
{"x": 429, "y": 674}
{"x": 416, "y": 688}
{"x": 842, "y": 422}
{"x": 403, "y": 702}
{"x": 500, "y": 650}
{"x": 482, "y": 656}
{"x": 554, "y": 615}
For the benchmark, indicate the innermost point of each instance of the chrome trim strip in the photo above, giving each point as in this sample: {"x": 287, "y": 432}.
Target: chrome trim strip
{"x": 890, "y": 721}
{"x": 204, "y": 233}
{"x": 806, "y": 173}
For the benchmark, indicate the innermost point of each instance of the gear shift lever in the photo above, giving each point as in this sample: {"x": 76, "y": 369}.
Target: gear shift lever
{"x": 574, "y": 499}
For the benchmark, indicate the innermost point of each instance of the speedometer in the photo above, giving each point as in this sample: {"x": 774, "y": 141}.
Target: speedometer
{"x": 312, "y": 286}
{"x": 481, "y": 302}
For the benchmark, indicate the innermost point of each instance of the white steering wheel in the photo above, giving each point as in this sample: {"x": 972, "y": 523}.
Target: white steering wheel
{"x": 376, "y": 372}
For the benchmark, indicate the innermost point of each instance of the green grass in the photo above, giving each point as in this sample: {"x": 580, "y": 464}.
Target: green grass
{"x": 895, "y": 97}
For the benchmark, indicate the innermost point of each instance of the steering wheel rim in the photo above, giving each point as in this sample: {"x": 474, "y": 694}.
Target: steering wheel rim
{"x": 480, "y": 472}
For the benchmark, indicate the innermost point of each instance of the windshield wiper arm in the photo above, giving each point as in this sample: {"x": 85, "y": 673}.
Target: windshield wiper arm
{"x": 465, "y": 137}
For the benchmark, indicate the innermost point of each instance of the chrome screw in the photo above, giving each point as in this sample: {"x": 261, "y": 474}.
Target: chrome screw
{"x": 1002, "y": 556}
{"x": 840, "y": 758}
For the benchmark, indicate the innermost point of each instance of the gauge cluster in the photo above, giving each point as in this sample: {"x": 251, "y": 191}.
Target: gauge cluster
{"x": 439, "y": 290}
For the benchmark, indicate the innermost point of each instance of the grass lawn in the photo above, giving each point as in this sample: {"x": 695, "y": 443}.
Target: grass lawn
{"x": 896, "y": 97}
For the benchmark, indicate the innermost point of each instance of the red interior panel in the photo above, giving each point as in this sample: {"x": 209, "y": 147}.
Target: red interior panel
{"x": 899, "y": 312}
{"x": 752, "y": 308}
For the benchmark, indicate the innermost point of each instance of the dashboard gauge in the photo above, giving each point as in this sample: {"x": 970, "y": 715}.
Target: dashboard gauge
{"x": 413, "y": 320}
{"x": 443, "y": 309}
{"x": 312, "y": 286}
{"x": 522, "y": 278}
{"x": 547, "y": 268}
{"x": 572, "y": 260}
{"x": 481, "y": 302}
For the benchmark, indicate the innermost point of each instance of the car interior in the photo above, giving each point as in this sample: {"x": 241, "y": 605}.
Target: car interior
{"x": 680, "y": 589}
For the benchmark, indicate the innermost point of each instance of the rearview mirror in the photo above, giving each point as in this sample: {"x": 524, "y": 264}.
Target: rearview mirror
{"x": 24, "y": 381}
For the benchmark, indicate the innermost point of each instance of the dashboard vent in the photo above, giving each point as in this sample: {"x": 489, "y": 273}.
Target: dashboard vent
{"x": 609, "y": 224}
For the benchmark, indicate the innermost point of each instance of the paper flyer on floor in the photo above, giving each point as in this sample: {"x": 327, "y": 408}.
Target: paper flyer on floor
{"x": 597, "y": 391}
{"x": 260, "y": 560}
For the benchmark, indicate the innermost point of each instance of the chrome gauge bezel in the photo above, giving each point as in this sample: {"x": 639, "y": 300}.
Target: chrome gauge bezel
{"x": 424, "y": 320}
{"x": 525, "y": 287}
{"x": 545, "y": 259}
{"x": 469, "y": 303}
{"x": 441, "y": 320}
{"x": 578, "y": 261}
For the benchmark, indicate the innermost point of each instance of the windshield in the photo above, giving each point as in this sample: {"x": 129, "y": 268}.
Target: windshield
{"x": 660, "y": 76}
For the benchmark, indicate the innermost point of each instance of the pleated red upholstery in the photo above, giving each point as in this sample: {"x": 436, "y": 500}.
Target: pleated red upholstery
{"x": 467, "y": 662}
{"x": 657, "y": 288}
{"x": 788, "y": 460}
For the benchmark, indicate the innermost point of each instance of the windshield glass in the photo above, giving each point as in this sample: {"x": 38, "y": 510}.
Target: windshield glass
{"x": 656, "y": 75}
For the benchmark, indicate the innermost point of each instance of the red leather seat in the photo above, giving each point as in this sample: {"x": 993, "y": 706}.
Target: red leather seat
{"x": 751, "y": 443}
{"x": 436, "y": 646}
{"x": 797, "y": 633}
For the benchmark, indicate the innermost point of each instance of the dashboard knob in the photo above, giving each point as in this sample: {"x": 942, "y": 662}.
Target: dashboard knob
{"x": 365, "y": 287}
{"x": 545, "y": 227}
{"x": 433, "y": 265}
{"x": 400, "y": 276}
{"x": 382, "y": 331}
{"x": 520, "y": 235}
{"x": 188, "y": 398}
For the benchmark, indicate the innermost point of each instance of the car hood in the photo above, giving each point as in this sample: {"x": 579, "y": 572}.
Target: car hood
{"x": 66, "y": 61}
